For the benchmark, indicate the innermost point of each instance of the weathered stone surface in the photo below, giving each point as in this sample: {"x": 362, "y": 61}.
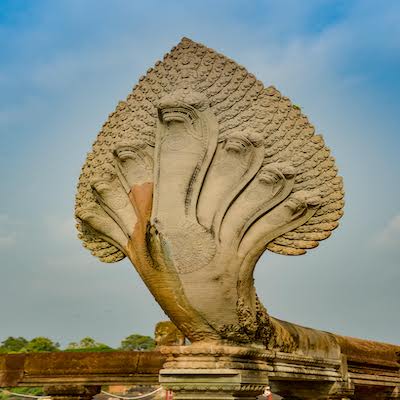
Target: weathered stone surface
{"x": 214, "y": 372}
{"x": 193, "y": 177}
{"x": 167, "y": 334}
{"x": 90, "y": 368}
{"x": 296, "y": 375}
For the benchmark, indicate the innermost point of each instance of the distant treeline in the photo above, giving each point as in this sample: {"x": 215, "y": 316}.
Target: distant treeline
{"x": 43, "y": 344}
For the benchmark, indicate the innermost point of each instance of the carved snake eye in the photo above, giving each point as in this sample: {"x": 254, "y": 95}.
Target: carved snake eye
{"x": 237, "y": 143}
{"x": 178, "y": 113}
{"x": 269, "y": 177}
{"x": 295, "y": 205}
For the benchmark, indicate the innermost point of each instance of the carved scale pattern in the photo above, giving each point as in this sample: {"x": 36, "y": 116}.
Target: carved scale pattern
{"x": 241, "y": 104}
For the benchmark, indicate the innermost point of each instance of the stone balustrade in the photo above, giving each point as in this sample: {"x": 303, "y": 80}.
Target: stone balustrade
{"x": 364, "y": 371}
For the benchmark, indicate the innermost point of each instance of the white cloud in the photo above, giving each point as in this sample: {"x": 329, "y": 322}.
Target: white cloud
{"x": 389, "y": 237}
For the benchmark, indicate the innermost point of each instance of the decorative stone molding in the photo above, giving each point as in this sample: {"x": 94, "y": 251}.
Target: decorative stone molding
{"x": 214, "y": 372}
{"x": 289, "y": 374}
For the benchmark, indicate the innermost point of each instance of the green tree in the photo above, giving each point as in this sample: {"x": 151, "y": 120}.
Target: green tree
{"x": 40, "y": 344}
{"x": 13, "y": 344}
{"x": 137, "y": 342}
{"x": 88, "y": 344}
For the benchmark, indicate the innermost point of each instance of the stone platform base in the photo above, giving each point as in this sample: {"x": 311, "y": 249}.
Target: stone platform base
{"x": 211, "y": 372}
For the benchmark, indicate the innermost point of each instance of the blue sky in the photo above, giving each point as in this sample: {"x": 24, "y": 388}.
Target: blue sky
{"x": 65, "y": 64}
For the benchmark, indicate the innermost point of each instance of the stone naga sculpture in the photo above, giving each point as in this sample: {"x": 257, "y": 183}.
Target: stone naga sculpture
{"x": 193, "y": 177}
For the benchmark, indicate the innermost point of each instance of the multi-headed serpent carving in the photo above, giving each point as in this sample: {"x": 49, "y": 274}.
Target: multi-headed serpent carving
{"x": 193, "y": 177}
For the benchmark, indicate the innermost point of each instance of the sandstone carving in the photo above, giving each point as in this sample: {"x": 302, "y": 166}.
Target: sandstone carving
{"x": 193, "y": 177}
{"x": 167, "y": 334}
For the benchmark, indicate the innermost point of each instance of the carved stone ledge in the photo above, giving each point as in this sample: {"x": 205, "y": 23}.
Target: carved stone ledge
{"x": 214, "y": 372}
{"x": 71, "y": 392}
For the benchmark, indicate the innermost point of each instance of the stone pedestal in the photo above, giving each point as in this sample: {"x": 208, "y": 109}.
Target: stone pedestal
{"x": 200, "y": 372}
